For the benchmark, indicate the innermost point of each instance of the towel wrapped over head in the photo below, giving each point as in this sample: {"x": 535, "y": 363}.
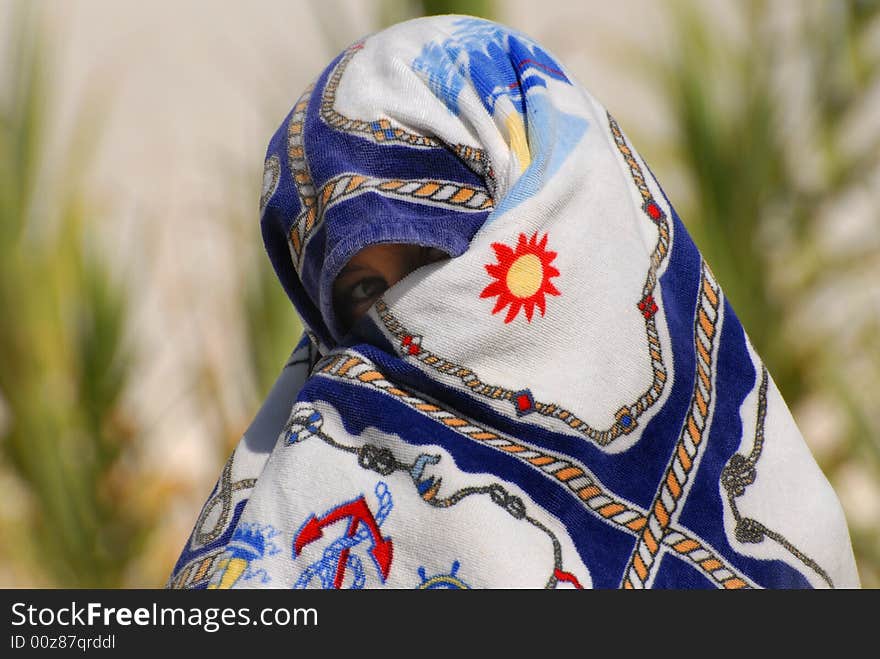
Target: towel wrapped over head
{"x": 568, "y": 401}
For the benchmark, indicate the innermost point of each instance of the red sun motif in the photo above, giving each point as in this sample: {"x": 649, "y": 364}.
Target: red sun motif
{"x": 521, "y": 278}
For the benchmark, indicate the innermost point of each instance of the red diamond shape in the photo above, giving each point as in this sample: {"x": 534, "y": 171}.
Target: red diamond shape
{"x": 411, "y": 343}
{"x": 647, "y": 306}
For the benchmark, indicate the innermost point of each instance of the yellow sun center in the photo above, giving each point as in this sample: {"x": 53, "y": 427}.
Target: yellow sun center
{"x": 525, "y": 276}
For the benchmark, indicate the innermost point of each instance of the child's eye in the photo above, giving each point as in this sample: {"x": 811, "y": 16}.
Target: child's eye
{"x": 367, "y": 289}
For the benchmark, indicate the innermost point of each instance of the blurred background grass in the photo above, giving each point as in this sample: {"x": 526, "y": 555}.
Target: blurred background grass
{"x": 140, "y": 327}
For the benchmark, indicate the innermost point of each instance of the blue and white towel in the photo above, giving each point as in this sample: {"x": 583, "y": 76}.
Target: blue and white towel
{"x": 568, "y": 402}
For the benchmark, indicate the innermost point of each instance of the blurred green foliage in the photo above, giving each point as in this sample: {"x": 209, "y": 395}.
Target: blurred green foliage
{"x": 64, "y": 363}
{"x": 271, "y": 326}
{"x": 394, "y": 11}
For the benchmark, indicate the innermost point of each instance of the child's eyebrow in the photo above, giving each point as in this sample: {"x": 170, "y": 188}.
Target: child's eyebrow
{"x": 353, "y": 267}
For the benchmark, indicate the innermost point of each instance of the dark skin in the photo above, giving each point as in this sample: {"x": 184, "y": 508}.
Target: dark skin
{"x": 371, "y": 272}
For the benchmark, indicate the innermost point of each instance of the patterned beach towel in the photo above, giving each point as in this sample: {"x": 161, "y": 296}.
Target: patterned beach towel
{"x": 569, "y": 401}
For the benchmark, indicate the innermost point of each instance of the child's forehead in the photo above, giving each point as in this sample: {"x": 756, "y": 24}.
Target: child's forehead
{"x": 380, "y": 254}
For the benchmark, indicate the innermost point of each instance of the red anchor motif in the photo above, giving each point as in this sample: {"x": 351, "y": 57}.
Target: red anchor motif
{"x": 360, "y": 513}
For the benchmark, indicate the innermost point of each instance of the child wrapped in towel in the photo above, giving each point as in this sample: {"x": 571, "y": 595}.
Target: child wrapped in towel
{"x": 517, "y": 369}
